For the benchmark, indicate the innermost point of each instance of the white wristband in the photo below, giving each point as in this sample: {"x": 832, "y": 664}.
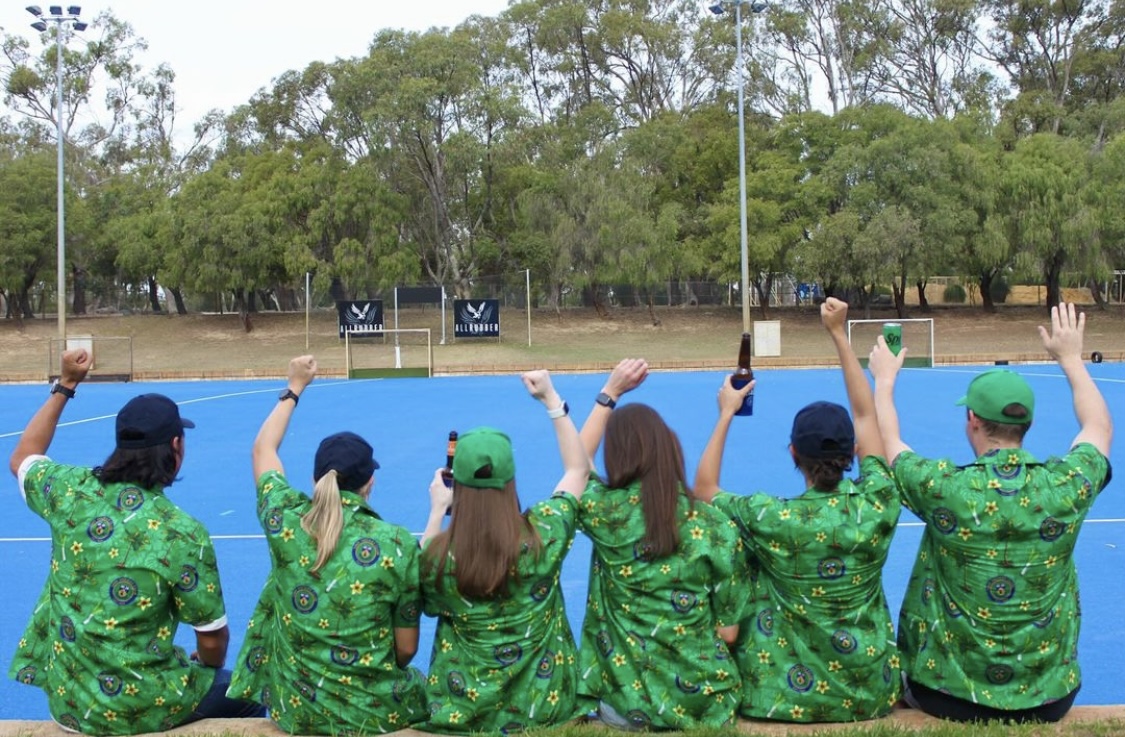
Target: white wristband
{"x": 561, "y": 411}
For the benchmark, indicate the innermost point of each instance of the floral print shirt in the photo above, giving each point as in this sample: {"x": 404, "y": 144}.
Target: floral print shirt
{"x": 127, "y": 566}
{"x": 819, "y": 644}
{"x": 320, "y": 649}
{"x": 504, "y": 665}
{"x": 649, "y": 648}
{"x": 991, "y": 612}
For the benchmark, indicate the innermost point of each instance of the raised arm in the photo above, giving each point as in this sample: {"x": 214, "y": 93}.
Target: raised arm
{"x": 576, "y": 464}
{"x": 264, "y": 455}
{"x": 40, "y": 430}
{"x": 834, "y": 313}
{"x": 626, "y": 376}
{"x": 706, "y": 483}
{"x": 1064, "y": 343}
{"x": 884, "y": 366}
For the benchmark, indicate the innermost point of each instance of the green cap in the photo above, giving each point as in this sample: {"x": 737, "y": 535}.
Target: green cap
{"x": 994, "y": 390}
{"x": 479, "y": 449}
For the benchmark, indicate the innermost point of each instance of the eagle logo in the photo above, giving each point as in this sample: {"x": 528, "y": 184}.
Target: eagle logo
{"x": 480, "y": 315}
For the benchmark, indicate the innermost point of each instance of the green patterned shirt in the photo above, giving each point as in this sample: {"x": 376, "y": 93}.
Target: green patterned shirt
{"x": 319, "y": 650}
{"x": 819, "y": 645}
{"x": 991, "y": 612}
{"x": 501, "y": 666}
{"x": 127, "y": 565}
{"x": 650, "y": 649}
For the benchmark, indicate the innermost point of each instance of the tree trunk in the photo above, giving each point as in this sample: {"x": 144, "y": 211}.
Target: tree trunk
{"x": 652, "y": 309}
{"x": 923, "y": 303}
{"x": 898, "y": 290}
{"x": 764, "y": 291}
{"x": 985, "y": 283}
{"x": 178, "y": 297}
{"x": 336, "y": 290}
{"x": 153, "y": 298}
{"x": 78, "y": 277}
{"x": 1096, "y": 292}
{"x": 1053, "y": 276}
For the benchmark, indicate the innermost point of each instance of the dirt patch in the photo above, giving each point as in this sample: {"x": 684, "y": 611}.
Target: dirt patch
{"x": 172, "y": 346}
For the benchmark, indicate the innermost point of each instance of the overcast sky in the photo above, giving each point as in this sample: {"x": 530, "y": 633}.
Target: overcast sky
{"x": 223, "y": 51}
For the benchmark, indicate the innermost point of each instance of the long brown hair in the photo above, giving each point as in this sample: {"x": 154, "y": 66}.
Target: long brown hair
{"x": 640, "y": 445}
{"x": 485, "y": 537}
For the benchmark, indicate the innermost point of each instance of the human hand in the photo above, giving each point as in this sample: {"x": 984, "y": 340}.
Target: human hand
{"x": 74, "y": 366}
{"x": 833, "y": 313}
{"x": 883, "y": 363}
{"x": 441, "y": 496}
{"x": 302, "y": 369}
{"x": 539, "y": 385}
{"x": 626, "y": 376}
{"x": 1067, "y": 328}
{"x": 730, "y": 399}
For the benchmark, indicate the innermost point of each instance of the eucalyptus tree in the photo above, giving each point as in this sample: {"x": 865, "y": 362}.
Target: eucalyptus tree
{"x": 27, "y": 225}
{"x": 1043, "y": 199}
{"x": 1104, "y": 196}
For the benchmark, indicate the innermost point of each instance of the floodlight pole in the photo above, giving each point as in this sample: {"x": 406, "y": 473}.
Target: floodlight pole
{"x": 755, "y": 7}
{"x": 60, "y": 19}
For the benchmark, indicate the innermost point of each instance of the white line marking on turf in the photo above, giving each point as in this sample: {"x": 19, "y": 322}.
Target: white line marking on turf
{"x": 197, "y": 400}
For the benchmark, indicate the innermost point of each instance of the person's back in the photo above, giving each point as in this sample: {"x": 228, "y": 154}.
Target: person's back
{"x": 664, "y": 596}
{"x": 818, "y": 645}
{"x": 336, "y": 624}
{"x": 991, "y": 612}
{"x": 127, "y": 565}
{"x": 989, "y": 624}
{"x": 503, "y": 657}
{"x": 650, "y": 647}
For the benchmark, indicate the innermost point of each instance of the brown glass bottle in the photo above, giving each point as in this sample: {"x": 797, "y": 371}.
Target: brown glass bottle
{"x": 447, "y": 474}
{"x": 743, "y": 375}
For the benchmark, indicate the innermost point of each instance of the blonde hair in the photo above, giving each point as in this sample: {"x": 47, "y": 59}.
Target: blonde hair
{"x": 325, "y": 520}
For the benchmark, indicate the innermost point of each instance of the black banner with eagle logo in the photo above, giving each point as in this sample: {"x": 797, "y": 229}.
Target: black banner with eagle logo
{"x": 363, "y": 318}
{"x": 476, "y": 318}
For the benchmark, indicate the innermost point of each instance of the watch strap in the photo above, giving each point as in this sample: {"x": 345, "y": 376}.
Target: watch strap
{"x": 58, "y": 388}
{"x": 605, "y": 400}
{"x": 561, "y": 411}
{"x": 289, "y": 394}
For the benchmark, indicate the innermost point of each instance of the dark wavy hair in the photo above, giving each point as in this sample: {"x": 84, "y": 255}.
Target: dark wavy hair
{"x": 145, "y": 467}
{"x": 824, "y": 473}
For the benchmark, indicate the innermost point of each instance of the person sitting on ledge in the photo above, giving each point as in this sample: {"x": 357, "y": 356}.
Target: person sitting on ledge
{"x": 989, "y": 623}
{"x": 127, "y": 566}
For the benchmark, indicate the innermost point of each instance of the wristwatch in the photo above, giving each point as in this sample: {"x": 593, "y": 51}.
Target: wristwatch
{"x": 605, "y": 400}
{"x": 58, "y": 388}
{"x": 289, "y": 394}
{"x": 561, "y": 411}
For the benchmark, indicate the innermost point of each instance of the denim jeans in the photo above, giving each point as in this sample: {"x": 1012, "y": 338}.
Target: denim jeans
{"x": 217, "y": 705}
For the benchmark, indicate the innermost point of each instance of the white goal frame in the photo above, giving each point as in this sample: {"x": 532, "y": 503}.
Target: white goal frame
{"x": 398, "y": 370}
{"x": 930, "y": 320}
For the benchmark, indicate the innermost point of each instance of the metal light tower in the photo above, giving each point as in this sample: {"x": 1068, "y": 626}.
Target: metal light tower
{"x": 56, "y": 15}
{"x": 718, "y": 9}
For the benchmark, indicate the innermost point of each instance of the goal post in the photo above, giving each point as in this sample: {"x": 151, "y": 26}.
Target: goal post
{"x": 917, "y": 338}
{"x": 111, "y": 358}
{"x": 398, "y": 353}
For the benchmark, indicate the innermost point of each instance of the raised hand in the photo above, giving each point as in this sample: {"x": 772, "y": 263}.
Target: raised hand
{"x": 302, "y": 370}
{"x": 833, "y": 313}
{"x": 74, "y": 366}
{"x": 538, "y": 383}
{"x": 626, "y": 376}
{"x": 1068, "y": 325}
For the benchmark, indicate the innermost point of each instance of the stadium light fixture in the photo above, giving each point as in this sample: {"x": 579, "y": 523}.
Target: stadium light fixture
{"x": 61, "y": 21}
{"x": 718, "y": 9}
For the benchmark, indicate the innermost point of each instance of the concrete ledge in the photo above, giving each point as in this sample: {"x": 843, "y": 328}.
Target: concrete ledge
{"x": 906, "y": 720}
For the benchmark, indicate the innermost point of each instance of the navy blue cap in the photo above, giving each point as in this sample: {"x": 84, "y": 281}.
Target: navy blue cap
{"x": 823, "y": 430}
{"x": 350, "y": 456}
{"x": 148, "y": 420}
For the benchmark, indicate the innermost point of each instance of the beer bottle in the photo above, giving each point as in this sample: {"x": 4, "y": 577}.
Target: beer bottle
{"x": 743, "y": 375}
{"x": 447, "y": 474}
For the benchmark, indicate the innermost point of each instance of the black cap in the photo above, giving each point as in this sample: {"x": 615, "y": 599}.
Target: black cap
{"x": 823, "y": 430}
{"x": 350, "y": 456}
{"x": 148, "y": 420}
